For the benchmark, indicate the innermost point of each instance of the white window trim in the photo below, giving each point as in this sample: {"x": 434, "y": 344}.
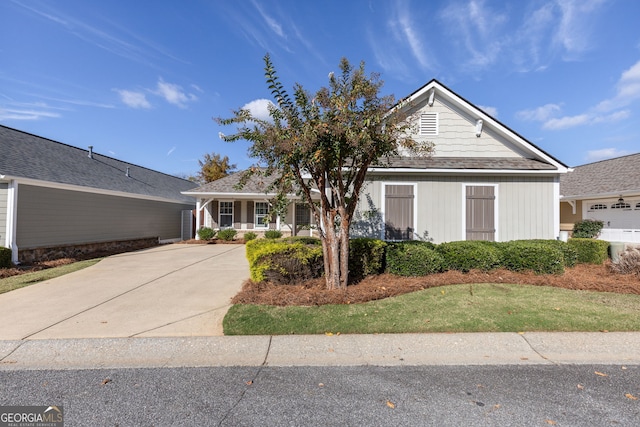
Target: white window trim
{"x": 383, "y": 193}
{"x": 496, "y": 205}
{"x": 260, "y": 224}
{"x": 220, "y": 202}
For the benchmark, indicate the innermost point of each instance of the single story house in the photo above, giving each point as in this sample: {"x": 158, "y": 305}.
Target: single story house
{"x": 608, "y": 190}
{"x": 484, "y": 181}
{"x": 56, "y": 199}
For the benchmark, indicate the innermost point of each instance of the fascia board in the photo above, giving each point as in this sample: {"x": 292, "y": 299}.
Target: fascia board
{"x": 462, "y": 171}
{"x": 71, "y": 187}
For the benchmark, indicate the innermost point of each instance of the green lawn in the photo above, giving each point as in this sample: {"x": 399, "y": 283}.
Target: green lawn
{"x": 20, "y": 281}
{"x": 455, "y": 308}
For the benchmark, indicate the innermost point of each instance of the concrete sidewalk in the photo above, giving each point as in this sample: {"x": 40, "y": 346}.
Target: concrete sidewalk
{"x": 171, "y": 290}
{"x": 613, "y": 348}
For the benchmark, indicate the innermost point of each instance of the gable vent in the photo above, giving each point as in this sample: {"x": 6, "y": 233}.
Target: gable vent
{"x": 429, "y": 124}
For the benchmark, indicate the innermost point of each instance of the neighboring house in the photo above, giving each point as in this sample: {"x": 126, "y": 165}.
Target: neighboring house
{"x": 55, "y": 198}
{"x": 483, "y": 182}
{"x": 608, "y": 190}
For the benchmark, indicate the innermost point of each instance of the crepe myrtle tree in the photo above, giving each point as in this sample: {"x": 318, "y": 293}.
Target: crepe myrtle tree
{"x": 323, "y": 144}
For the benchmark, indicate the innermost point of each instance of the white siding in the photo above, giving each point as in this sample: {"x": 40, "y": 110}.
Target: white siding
{"x": 524, "y": 211}
{"x": 457, "y": 134}
{"x": 49, "y": 217}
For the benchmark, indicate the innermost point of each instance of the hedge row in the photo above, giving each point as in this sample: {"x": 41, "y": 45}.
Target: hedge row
{"x": 5, "y": 258}
{"x": 300, "y": 258}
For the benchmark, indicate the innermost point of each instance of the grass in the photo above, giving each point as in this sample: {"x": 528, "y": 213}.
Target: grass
{"x": 20, "y": 281}
{"x": 454, "y": 308}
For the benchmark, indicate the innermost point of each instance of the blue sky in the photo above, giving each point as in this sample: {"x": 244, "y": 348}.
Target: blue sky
{"x": 141, "y": 80}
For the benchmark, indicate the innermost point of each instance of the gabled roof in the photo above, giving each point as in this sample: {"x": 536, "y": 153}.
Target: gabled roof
{"x": 476, "y": 163}
{"x": 256, "y": 185}
{"x": 35, "y": 159}
{"x": 438, "y": 90}
{"x": 606, "y": 178}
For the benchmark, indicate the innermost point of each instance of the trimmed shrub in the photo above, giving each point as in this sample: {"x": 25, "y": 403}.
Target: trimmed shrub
{"x": 539, "y": 257}
{"x": 470, "y": 255}
{"x": 590, "y": 251}
{"x": 307, "y": 240}
{"x": 587, "y": 229}
{"x": 228, "y": 234}
{"x": 283, "y": 262}
{"x": 272, "y": 234}
{"x": 206, "y": 233}
{"x": 5, "y": 258}
{"x": 366, "y": 257}
{"x": 569, "y": 253}
{"x": 413, "y": 258}
{"x": 248, "y": 236}
{"x": 628, "y": 262}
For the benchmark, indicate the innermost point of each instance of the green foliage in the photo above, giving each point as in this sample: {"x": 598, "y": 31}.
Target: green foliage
{"x": 587, "y": 229}
{"x": 366, "y": 257}
{"x": 413, "y": 258}
{"x": 326, "y": 141}
{"x": 307, "y": 240}
{"x": 206, "y": 233}
{"x": 569, "y": 253}
{"x": 272, "y": 234}
{"x": 283, "y": 262}
{"x": 228, "y": 234}
{"x": 213, "y": 167}
{"x": 5, "y": 258}
{"x": 250, "y": 235}
{"x": 590, "y": 251}
{"x": 470, "y": 255}
{"x": 536, "y": 256}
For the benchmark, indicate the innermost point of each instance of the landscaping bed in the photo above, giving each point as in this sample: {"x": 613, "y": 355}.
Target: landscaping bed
{"x": 587, "y": 277}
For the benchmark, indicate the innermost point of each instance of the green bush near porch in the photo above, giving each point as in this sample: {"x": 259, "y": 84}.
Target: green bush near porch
{"x": 590, "y": 251}
{"x": 282, "y": 261}
{"x": 5, "y": 258}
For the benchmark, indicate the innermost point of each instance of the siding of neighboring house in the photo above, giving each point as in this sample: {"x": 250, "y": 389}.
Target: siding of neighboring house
{"x": 457, "y": 138}
{"x": 48, "y": 218}
{"x": 3, "y": 213}
{"x": 521, "y": 212}
{"x": 567, "y": 217}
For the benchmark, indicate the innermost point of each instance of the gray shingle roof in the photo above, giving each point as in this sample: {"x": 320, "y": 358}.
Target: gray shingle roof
{"x": 255, "y": 185}
{"x": 29, "y": 156}
{"x": 496, "y": 163}
{"x": 612, "y": 176}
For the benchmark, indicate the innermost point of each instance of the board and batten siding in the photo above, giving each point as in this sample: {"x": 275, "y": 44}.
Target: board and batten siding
{"x": 4, "y": 189}
{"x": 525, "y": 205}
{"x": 457, "y": 134}
{"x": 49, "y": 217}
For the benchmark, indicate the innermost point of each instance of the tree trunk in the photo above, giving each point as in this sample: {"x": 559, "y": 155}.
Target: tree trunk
{"x": 331, "y": 251}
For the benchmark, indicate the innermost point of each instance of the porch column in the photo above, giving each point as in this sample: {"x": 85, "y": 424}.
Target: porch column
{"x": 198, "y": 209}
{"x": 12, "y": 220}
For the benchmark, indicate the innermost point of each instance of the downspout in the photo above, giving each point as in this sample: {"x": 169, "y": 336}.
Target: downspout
{"x": 12, "y": 219}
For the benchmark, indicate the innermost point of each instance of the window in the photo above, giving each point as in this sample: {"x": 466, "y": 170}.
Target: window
{"x": 303, "y": 215}
{"x": 638, "y": 205}
{"x": 429, "y": 124}
{"x": 597, "y": 207}
{"x": 621, "y": 205}
{"x": 262, "y": 210}
{"x": 226, "y": 214}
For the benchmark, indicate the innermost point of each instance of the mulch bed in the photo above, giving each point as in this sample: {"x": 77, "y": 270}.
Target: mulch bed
{"x": 582, "y": 277}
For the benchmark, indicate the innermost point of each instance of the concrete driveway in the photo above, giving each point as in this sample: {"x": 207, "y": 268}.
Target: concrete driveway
{"x": 174, "y": 290}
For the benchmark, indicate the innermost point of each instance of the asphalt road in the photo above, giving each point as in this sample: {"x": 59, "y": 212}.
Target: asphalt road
{"x": 538, "y": 395}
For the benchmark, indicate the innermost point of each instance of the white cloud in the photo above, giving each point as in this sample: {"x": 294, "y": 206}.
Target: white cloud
{"x": 20, "y": 114}
{"x": 566, "y": 122}
{"x": 272, "y": 23}
{"x": 539, "y": 114}
{"x": 173, "y": 94}
{"x": 492, "y": 111}
{"x": 259, "y": 108}
{"x": 133, "y": 99}
{"x": 605, "y": 153}
{"x": 573, "y": 29}
{"x": 627, "y": 90}
{"x": 171, "y": 151}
